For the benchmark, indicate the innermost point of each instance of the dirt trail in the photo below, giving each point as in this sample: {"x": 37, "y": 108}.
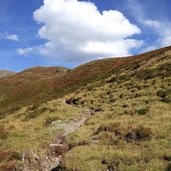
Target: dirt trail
{"x": 74, "y": 125}
{"x": 53, "y": 155}
{"x": 61, "y": 146}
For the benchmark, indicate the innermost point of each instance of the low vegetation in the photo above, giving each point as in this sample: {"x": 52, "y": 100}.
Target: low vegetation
{"x": 131, "y": 131}
{"x": 129, "y": 107}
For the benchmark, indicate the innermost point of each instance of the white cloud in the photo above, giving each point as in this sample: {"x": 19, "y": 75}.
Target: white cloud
{"x": 12, "y": 37}
{"x": 167, "y": 40}
{"x": 24, "y": 51}
{"x": 76, "y": 30}
{"x": 7, "y": 36}
{"x": 152, "y": 23}
{"x": 161, "y": 28}
{"x": 116, "y": 48}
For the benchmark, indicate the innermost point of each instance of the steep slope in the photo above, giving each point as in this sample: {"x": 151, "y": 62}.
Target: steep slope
{"x": 40, "y": 85}
{"x": 128, "y": 127}
{"x": 5, "y": 73}
{"x": 22, "y": 88}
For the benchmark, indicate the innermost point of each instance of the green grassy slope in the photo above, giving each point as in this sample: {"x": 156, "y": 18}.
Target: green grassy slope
{"x": 129, "y": 128}
{"x": 38, "y": 85}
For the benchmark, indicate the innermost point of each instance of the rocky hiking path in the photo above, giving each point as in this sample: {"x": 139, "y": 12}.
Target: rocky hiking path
{"x": 60, "y": 147}
{"x": 53, "y": 155}
{"x": 73, "y": 125}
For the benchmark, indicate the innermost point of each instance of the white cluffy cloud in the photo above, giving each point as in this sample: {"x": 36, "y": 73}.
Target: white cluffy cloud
{"x": 12, "y": 37}
{"x": 76, "y": 29}
{"x": 162, "y": 31}
{"x": 7, "y": 36}
{"x": 160, "y": 28}
{"x": 25, "y": 51}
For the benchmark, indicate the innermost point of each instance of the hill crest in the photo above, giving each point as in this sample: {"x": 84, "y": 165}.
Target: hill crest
{"x": 6, "y": 73}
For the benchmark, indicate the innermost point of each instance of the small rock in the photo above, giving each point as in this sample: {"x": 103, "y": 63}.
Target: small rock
{"x": 56, "y": 145}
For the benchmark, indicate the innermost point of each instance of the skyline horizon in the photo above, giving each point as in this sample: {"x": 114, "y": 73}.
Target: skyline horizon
{"x": 46, "y": 66}
{"x": 72, "y": 32}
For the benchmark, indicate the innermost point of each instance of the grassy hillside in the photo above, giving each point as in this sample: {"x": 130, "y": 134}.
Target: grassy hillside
{"x": 129, "y": 106}
{"x": 4, "y": 73}
{"x": 38, "y": 85}
{"x": 130, "y": 128}
{"x": 27, "y": 87}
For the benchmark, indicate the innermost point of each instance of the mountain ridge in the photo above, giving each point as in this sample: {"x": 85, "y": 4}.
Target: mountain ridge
{"x": 43, "y": 88}
{"x": 6, "y": 73}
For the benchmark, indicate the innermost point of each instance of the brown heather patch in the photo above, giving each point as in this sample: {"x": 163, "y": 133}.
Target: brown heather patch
{"x": 129, "y": 133}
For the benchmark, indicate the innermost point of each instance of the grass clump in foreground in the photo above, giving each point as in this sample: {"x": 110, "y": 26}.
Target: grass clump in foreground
{"x": 23, "y": 136}
{"x": 8, "y": 160}
{"x": 50, "y": 120}
{"x": 165, "y": 95}
{"x": 142, "y": 111}
{"x": 129, "y": 134}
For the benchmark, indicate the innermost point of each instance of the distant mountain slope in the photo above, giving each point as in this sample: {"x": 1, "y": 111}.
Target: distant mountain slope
{"x": 37, "y": 85}
{"x": 5, "y": 73}
{"x": 23, "y": 87}
{"x": 37, "y": 73}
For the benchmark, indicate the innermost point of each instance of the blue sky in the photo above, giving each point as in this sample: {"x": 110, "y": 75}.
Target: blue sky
{"x": 71, "y": 32}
